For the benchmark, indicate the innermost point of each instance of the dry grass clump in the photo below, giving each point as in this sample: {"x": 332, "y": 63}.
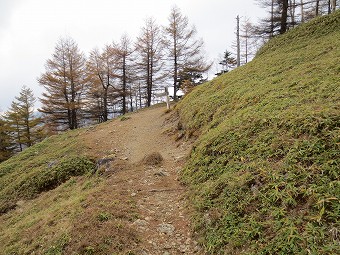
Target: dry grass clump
{"x": 153, "y": 159}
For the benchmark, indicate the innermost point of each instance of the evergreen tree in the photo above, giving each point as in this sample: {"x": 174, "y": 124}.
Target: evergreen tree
{"x": 227, "y": 62}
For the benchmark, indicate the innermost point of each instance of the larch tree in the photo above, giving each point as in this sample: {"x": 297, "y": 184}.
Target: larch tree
{"x": 22, "y": 120}
{"x": 249, "y": 42}
{"x": 277, "y": 22}
{"x": 122, "y": 53}
{"x": 284, "y": 16}
{"x": 31, "y": 132}
{"x": 12, "y": 117}
{"x": 149, "y": 47}
{"x": 101, "y": 75}
{"x": 6, "y": 144}
{"x": 65, "y": 85}
{"x": 185, "y": 52}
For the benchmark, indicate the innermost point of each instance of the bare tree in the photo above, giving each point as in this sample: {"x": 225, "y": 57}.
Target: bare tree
{"x": 184, "y": 51}
{"x": 149, "y": 47}
{"x": 101, "y": 74}
{"x": 123, "y": 63}
{"x": 249, "y": 42}
{"x": 238, "y": 55}
{"x": 282, "y": 16}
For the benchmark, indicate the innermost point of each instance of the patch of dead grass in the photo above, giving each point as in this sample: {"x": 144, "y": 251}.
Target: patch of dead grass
{"x": 153, "y": 159}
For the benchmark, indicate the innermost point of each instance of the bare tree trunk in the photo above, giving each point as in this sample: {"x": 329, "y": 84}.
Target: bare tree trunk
{"x": 124, "y": 86}
{"x": 333, "y": 5}
{"x": 131, "y": 100}
{"x": 284, "y": 17}
{"x": 140, "y": 95}
{"x": 292, "y": 6}
{"x": 175, "y": 70}
{"x": 302, "y": 12}
{"x": 272, "y": 20}
{"x": 317, "y": 8}
{"x": 238, "y": 41}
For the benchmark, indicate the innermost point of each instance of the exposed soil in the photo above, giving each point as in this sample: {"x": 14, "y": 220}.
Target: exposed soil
{"x": 142, "y": 157}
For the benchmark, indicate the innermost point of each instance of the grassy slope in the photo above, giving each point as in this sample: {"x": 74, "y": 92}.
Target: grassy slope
{"x": 264, "y": 173}
{"x": 41, "y": 168}
{"x": 61, "y": 206}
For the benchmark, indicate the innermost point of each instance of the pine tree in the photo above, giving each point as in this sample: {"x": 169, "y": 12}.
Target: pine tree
{"x": 65, "y": 86}
{"x": 227, "y": 62}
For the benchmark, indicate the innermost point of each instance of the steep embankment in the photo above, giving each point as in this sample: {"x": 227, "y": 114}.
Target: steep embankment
{"x": 264, "y": 173}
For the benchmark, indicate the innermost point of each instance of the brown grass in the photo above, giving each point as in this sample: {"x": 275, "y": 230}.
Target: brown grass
{"x": 153, "y": 159}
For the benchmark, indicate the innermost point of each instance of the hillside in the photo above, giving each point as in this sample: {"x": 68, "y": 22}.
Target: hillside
{"x": 262, "y": 176}
{"x": 264, "y": 171}
{"x": 99, "y": 190}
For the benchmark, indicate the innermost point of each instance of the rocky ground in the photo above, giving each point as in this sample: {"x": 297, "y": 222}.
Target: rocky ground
{"x": 144, "y": 155}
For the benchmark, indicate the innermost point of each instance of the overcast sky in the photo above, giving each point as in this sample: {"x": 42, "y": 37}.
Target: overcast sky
{"x": 29, "y": 30}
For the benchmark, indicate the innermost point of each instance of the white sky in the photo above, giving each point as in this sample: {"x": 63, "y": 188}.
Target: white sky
{"x": 29, "y": 30}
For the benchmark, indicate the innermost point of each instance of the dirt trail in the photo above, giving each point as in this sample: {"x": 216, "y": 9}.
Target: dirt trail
{"x": 162, "y": 223}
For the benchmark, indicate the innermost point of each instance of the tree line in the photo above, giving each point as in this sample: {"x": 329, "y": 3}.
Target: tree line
{"x": 124, "y": 76}
{"x": 118, "y": 78}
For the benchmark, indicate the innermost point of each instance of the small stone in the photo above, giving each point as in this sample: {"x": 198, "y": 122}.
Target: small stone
{"x": 183, "y": 248}
{"x": 166, "y": 228}
{"x": 167, "y": 246}
{"x": 133, "y": 194}
{"x": 140, "y": 223}
{"x": 197, "y": 248}
{"x": 161, "y": 174}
